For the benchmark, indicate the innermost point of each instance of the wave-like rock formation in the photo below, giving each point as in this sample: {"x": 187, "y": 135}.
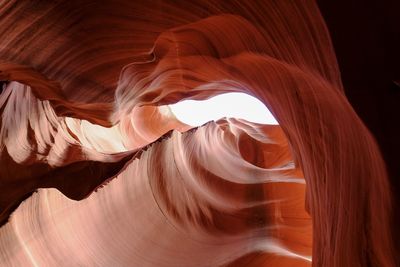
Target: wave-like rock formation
{"x": 97, "y": 171}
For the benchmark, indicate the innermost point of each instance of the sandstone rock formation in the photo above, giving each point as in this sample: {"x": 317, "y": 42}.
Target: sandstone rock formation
{"x": 107, "y": 176}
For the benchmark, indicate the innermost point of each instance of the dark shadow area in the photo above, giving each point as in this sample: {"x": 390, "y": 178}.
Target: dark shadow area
{"x": 366, "y": 38}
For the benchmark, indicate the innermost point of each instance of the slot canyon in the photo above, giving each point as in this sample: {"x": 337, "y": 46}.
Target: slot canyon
{"x": 101, "y": 164}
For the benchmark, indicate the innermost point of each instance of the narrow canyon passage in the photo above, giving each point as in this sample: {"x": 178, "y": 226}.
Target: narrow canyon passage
{"x": 102, "y": 162}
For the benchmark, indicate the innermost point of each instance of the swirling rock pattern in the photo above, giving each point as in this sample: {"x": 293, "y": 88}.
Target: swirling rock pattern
{"x": 83, "y": 111}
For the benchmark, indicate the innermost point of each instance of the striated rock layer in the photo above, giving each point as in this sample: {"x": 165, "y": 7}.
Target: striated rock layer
{"x": 83, "y": 111}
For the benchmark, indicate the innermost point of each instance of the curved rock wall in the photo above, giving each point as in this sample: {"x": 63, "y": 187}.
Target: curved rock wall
{"x": 82, "y": 111}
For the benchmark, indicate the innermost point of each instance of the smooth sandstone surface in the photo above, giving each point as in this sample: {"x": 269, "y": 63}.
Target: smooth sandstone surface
{"x": 95, "y": 170}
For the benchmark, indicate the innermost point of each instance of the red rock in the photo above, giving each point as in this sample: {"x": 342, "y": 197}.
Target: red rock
{"x": 136, "y": 187}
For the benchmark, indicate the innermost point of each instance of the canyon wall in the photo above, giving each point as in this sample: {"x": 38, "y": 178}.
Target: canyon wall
{"x": 97, "y": 171}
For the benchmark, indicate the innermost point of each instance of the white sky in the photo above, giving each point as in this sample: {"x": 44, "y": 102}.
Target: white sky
{"x": 233, "y": 105}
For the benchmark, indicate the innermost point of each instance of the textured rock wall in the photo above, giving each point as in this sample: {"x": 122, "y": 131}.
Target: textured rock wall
{"x": 82, "y": 108}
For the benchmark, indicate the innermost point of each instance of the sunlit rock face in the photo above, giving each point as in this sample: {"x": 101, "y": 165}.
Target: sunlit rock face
{"x": 110, "y": 176}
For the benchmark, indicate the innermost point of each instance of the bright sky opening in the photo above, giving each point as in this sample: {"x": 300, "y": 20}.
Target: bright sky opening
{"x": 230, "y": 105}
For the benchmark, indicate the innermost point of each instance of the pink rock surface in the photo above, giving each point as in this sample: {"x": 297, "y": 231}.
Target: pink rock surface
{"x": 83, "y": 112}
